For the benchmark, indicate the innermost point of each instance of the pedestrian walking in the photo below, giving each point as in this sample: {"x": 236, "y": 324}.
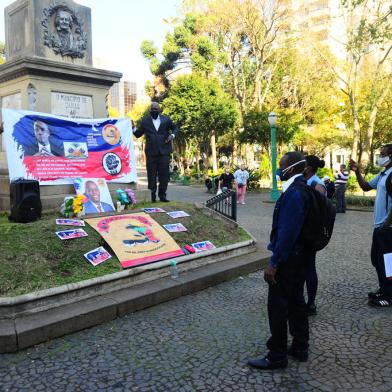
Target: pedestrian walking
{"x": 313, "y": 163}
{"x": 382, "y": 233}
{"x": 241, "y": 177}
{"x": 226, "y": 179}
{"x": 341, "y": 179}
{"x": 286, "y": 270}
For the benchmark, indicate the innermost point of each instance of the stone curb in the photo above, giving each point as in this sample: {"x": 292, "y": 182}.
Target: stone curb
{"x": 30, "y": 297}
{"x": 36, "y": 327}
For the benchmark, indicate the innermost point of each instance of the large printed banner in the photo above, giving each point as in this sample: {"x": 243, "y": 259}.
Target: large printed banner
{"x": 136, "y": 239}
{"x": 54, "y": 150}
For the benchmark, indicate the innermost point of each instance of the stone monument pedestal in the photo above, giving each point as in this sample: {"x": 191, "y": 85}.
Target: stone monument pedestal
{"x": 49, "y": 69}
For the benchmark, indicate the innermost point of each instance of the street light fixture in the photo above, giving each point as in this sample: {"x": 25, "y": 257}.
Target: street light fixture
{"x": 272, "y": 117}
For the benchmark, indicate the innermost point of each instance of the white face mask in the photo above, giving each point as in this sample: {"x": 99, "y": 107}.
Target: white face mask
{"x": 383, "y": 161}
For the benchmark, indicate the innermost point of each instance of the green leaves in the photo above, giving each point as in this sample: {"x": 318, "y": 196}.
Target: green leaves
{"x": 200, "y": 107}
{"x": 148, "y": 49}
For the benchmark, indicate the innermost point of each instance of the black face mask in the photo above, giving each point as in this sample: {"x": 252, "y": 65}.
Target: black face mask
{"x": 154, "y": 114}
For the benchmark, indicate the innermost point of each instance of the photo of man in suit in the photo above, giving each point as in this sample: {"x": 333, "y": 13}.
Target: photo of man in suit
{"x": 44, "y": 144}
{"x": 159, "y": 131}
{"x": 95, "y": 205}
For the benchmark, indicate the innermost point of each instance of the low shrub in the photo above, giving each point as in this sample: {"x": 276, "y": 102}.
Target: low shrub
{"x": 360, "y": 201}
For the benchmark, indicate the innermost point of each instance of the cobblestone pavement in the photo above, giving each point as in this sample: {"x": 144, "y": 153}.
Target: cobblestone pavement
{"x": 201, "y": 342}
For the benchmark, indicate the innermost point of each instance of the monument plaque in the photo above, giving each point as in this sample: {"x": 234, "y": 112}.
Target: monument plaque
{"x": 63, "y": 31}
{"x": 72, "y": 105}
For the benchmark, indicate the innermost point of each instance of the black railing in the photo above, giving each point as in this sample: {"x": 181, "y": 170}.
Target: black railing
{"x": 225, "y": 204}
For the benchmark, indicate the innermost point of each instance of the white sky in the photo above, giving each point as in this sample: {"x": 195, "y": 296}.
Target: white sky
{"x": 118, "y": 28}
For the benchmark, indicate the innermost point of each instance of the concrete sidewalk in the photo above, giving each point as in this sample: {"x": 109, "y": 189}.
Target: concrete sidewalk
{"x": 201, "y": 342}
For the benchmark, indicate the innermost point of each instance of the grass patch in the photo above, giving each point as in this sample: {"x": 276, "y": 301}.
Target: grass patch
{"x": 33, "y": 258}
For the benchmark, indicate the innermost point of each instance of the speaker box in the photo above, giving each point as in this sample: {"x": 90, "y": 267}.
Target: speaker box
{"x": 25, "y": 201}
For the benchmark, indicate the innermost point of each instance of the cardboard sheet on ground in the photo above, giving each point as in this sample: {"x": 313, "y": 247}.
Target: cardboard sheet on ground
{"x": 136, "y": 239}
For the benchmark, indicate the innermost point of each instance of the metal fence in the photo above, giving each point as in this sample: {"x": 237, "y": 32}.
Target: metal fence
{"x": 225, "y": 204}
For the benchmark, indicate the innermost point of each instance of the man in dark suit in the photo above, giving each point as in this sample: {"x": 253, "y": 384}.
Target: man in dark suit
{"x": 95, "y": 205}
{"x": 44, "y": 145}
{"x": 159, "y": 131}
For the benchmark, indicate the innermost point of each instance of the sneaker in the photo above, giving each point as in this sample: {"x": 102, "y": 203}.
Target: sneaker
{"x": 243, "y": 203}
{"x": 312, "y": 310}
{"x": 238, "y": 202}
{"x": 375, "y": 294}
{"x": 380, "y": 302}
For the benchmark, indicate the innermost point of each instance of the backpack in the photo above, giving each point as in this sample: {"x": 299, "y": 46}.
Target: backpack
{"x": 388, "y": 185}
{"x": 330, "y": 190}
{"x": 319, "y": 218}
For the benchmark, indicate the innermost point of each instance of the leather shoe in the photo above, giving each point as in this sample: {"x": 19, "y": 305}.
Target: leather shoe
{"x": 299, "y": 355}
{"x": 164, "y": 200}
{"x": 266, "y": 364}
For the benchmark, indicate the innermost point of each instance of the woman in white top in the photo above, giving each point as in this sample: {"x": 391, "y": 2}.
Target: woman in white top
{"x": 241, "y": 177}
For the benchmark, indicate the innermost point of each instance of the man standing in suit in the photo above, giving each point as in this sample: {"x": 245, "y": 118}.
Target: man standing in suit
{"x": 159, "y": 131}
{"x": 95, "y": 205}
{"x": 44, "y": 145}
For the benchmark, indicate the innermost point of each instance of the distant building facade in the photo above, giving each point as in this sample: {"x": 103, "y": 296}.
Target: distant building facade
{"x": 123, "y": 96}
{"x": 319, "y": 20}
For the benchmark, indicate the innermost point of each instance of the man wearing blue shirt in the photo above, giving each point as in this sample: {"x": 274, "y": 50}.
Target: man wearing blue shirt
{"x": 382, "y": 234}
{"x": 286, "y": 270}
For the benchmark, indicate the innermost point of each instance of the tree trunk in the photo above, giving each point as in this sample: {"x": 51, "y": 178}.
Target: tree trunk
{"x": 356, "y": 127}
{"x": 370, "y": 127}
{"x": 256, "y": 99}
{"x": 213, "y": 149}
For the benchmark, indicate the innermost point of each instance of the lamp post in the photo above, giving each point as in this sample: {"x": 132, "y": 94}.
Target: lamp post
{"x": 272, "y": 122}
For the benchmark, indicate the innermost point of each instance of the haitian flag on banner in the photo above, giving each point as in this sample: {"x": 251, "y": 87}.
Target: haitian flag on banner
{"x": 54, "y": 150}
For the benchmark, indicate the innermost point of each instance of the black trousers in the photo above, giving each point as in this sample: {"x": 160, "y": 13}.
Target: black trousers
{"x": 340, "y": 195}
{"x": 382, "y": 243}
{"x": 311, "y": 279}
{"x": 286, "y": 305}
{"x": 158, "y": 166}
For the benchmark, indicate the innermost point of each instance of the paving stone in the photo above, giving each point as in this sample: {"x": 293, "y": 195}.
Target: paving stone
{"x": 201, "y": 342}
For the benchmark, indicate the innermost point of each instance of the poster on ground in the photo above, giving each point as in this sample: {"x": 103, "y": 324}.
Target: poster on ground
{"x": 177, "y": 214}
{"x": 54, "y": 150}
{"x": 203, "y": 246}
{"x": 175, "y": 227}
{"x": 136, "y": 239}
{"x": 69, "y": 222}
{"x": 97, "y": 256}
{"x": 70, "y": 234}
{"x": 97, "y": 192}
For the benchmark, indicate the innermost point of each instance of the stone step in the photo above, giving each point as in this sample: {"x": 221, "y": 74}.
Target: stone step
{"x": 30, "y": 329}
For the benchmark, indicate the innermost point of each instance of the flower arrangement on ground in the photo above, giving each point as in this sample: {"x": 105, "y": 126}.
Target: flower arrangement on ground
{"x": 73, "y": 206}
{"x": 125, "y": 198}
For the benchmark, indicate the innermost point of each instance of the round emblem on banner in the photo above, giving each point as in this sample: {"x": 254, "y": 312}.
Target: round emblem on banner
{"x": 111, "y": 162}
{"x": 111, "y": 134}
